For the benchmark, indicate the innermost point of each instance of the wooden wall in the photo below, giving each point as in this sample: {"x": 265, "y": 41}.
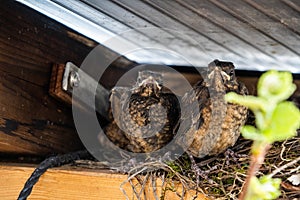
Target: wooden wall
{"x": 31, "y": 121}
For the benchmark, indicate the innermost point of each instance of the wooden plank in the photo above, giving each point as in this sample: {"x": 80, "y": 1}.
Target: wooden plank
{"x": 31, "y": 121}
{"x": 138, "y": 21}
{"x": 236, "y": 27}
{"x": 224, "y": 35}
{"x": 72, "y": 183}
{"x": 279, "y": 11}
{"x": 151, "y": 13}
{"x": 294, "y": 4}
{"x": 260, "y": 21}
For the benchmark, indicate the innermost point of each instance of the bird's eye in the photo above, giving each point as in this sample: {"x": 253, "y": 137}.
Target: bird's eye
{"x": 231, "y": 73}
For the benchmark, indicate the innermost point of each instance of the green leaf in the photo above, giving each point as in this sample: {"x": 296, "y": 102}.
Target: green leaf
{"x": 251, "y": 133}
{"x": 249, "y": 101}
{"x": 284, "y": 122}
{"x": 275, "y": 86}
{"x": 264, "y": 188}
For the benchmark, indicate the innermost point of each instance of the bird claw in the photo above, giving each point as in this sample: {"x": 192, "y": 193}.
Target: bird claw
{"x": 198, "y": 172}
{"x": 230, "y": 155}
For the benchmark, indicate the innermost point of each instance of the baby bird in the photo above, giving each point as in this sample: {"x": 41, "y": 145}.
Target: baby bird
{"x": 213, "y": 125}
{"x": 144, "y": 116}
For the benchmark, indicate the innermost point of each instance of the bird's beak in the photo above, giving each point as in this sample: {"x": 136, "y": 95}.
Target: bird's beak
{"x": 210, "y": 75}
{"x": 225, "y": 76}
{"x": 150, "y": 81}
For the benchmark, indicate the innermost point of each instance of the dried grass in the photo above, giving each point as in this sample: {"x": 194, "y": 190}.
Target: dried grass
{"x": 219, "y": 177}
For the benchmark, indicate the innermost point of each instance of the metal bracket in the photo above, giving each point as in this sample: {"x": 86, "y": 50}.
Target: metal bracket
{"x": 79, "y": 86}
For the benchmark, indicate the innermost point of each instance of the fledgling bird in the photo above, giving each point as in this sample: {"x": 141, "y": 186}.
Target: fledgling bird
{"x": 144, "y": 116}
{"x": 213, "y": 124}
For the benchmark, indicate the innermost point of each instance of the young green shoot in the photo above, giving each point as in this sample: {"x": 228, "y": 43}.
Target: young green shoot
{"x": 276, "y": 120}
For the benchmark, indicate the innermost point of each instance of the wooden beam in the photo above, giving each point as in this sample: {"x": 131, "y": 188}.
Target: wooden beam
{"x": 71, "y": 183}
{"x": 31, "y": 121}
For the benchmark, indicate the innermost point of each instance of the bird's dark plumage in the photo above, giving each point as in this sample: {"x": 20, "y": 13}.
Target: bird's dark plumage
{"x": 214, "y": 125}
{"x": 144, "y": 117}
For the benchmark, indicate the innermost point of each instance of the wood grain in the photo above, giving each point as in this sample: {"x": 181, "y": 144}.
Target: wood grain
{"x": 56, "y": 88}
{"x": 262, "y": 22}
{"x": 71, "y": 183}
{"x": 31, "y": 121}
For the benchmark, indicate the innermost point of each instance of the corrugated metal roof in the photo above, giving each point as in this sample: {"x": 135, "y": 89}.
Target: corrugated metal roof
{"x": 254, "y": 34}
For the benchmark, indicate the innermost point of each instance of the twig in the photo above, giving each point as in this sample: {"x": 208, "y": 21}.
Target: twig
{"x": 143, "y": 184}
{"x": 134, "y": 189}
{"x": 283, "y": 150}
{"x": 154, "y": 187}
{"x": 284, "y": 166}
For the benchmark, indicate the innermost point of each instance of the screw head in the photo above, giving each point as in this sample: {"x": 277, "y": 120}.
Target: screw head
{"x": 74, "y": 79}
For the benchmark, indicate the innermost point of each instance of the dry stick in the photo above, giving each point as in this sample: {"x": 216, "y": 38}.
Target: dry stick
{"x": 233, "y": 184}
{"x": 129, "y": 180}
{"x": 135, "y": 192}
{"x": 124, "y": 192}
{"x": 284, "y": 166}
{"x": 255, "y": 163}
{"x": 294, "y": 170}
{"x": 283, "y": 150}
{"x": 154, "y": 187}
{"x": 143, "y": 184}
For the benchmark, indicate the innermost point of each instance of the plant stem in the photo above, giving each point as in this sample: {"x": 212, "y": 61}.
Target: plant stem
{"x": 257, "y": 160}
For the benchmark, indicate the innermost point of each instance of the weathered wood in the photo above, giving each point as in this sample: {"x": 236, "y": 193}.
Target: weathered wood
{"x": 31, "y": 121}
{"x": 280, "y": 11}
{"x": 158, "y": 18}
{"x": 220, "y": 18}
{"x": 262, "y": 22}
{"x": 224, "y": 35}
{"x": 73, "y": 183}
{"x": 55, "y": 88}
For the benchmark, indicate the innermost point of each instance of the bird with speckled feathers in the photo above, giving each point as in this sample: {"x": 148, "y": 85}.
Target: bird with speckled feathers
{"x": 144, "y": 116}
{"x": 147, "y": 116}
{"x": 215, "y": 124}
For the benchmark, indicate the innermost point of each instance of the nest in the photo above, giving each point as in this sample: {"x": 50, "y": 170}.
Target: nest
{"x": 227, "y": 173}
{"x": 218, "y": 177}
